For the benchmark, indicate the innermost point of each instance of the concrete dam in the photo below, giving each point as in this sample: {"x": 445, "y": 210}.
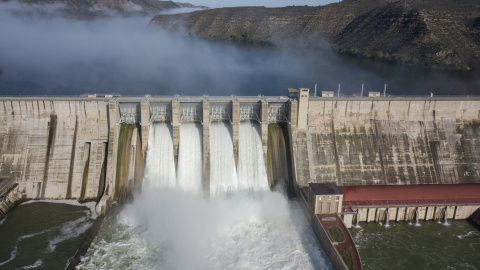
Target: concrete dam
{"x": 95, "y": 147}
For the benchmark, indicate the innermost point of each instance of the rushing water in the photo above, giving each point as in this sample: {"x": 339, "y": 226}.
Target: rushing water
{"x": 223, "y": 174}
{"x": 160, "y": 166}
{"x": 432, "y": 245}
{"x": 175, "y": 228}
{"x": 42, "y": 235}
{"x": 190, "y": 158}
{"x": 251, "y": 166}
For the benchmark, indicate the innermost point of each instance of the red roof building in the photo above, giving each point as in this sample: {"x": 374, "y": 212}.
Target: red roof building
{"x": 402, "y": 195}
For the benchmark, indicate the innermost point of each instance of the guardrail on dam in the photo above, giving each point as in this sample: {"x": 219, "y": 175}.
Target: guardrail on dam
{"x": 67, "y": 147}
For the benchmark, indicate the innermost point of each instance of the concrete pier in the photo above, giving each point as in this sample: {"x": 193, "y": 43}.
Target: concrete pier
{"x": 235, "y": 128}
{"x": 175, "y": 129}
{"x": 206, "y": 148}
{"x": 145, "y": 123}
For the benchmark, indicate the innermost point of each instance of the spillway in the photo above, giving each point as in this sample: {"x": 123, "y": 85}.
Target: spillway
{"x": 223, "y": 175}
{"x": 176, "y": 228}
{"x": 190, "y": 161}
{"x": 160, "y": 165}
{"x": 251, "y": 166}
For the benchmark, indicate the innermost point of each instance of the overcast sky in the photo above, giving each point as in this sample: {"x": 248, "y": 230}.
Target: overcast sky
{"x": 266, "y": 3}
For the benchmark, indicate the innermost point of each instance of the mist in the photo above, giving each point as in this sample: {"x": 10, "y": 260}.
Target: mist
{"x": 172, "y": 229}
{"x": 45, "y": 53}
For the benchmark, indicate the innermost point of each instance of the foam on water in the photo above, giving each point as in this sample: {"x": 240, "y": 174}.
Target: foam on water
{"x": 175, "y": 228}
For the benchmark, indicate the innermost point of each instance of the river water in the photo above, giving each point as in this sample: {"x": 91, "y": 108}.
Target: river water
{"x": 43, "y": 235}
{"x": 431, "y": 245}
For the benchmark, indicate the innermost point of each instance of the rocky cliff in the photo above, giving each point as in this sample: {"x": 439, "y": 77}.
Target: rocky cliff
{"x": 431, "y": 33}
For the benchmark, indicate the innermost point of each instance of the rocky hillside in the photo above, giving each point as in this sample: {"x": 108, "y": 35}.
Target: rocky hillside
{"x": 431, "y": 33}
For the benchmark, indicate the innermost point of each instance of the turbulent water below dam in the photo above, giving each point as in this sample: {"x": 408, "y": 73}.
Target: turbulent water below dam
{"x": 427, "y": 245}
{"x": 170, "y": 225}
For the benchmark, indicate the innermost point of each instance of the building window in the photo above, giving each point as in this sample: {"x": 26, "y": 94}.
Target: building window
{"x": 328, "y": 207}
{"x": 337, "y": 198}
{"x": 320, "y": 207}
{"x": 320, "y": 198}
{"x": 336, "y": 207}
{"x": 329, "y": 197}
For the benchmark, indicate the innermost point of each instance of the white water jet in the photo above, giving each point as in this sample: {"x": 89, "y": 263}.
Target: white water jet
{"x": 223, "y": 176}
{"x": 445, "y": 217}
{"x": 251, "y": 166}
{"x": 416, "y": 218}
{"x": 357, "y": 217}
{"x": 190, "y": 158}
{"x": 387, "y": 218}
{"x": 160, "y": 165}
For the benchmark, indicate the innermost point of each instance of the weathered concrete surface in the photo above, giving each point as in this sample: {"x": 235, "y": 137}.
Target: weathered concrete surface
{"x": 206, "y": 148}
{"x": 406, "y": 213}
{"x": 9, "y": 199}
{"x": 393, "y": 142}
{"x": 42, "y": 146}
{"x": 279, "y": 169}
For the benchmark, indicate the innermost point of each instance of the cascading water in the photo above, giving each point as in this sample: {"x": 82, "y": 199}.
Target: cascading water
{"x": 387, "y": 217}
{"x": 445, "y": 217}
{"x": 190, "y": 161}
{"x": 174, "y": 228}
{"x": 223, "y": 175}
{"x": 160, "y": 165}
{"x": 251, "y": 166}
{"x": 416, "y": 217}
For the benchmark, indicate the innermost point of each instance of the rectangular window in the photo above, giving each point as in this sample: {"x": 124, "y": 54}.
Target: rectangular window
{"x": 336, "y": 207}
{"x": 320, "y": 207}
{"x": 328, "y": 207}
{"x": 337, "y": 197}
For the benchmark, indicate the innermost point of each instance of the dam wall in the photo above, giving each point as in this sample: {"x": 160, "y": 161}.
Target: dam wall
{"x": 390, "y": 141}
{"x": 46, "y": 144}
{"x": 95, "y": 146}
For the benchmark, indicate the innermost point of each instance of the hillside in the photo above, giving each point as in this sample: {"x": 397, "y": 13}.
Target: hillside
{"x": 431, "y": 33}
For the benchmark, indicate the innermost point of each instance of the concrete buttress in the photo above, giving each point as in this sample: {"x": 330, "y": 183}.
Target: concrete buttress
{"x": 206, "y": 148}
{"x": 145, "y": 122}
{"x": 175, "y": 129}
{"x": 235, "y": 128}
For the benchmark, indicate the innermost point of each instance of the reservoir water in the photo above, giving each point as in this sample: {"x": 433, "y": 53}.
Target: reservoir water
{"x": 55, "y": 55}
